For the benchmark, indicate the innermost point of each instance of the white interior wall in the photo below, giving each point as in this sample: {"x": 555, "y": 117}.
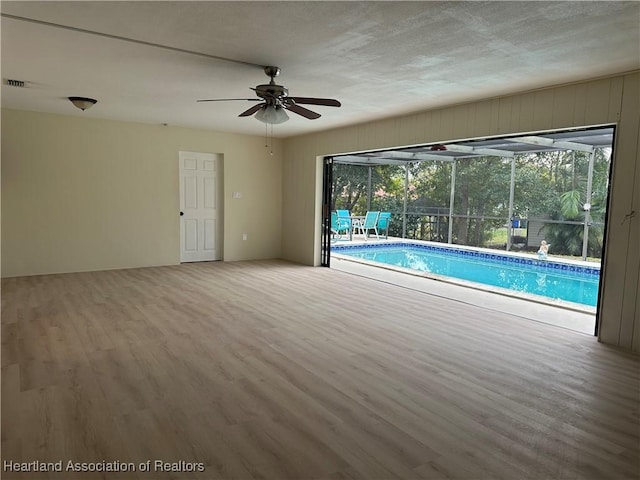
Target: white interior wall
{"x": 84, "y": 194}
{"x": 612, "y": 100}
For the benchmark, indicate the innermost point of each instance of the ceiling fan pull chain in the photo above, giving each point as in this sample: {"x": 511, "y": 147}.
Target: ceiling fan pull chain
{"x": 271, "y": 139}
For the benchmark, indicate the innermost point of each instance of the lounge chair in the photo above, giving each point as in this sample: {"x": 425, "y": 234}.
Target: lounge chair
{"x": 384, "y": 219}
{"x": 369, "y": 223}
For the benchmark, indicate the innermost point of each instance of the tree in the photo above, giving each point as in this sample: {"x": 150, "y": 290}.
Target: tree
{"x": 349, "y": 186}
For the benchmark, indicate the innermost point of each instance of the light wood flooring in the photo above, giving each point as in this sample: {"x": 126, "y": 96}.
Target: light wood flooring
{"x": 271, "y": 370}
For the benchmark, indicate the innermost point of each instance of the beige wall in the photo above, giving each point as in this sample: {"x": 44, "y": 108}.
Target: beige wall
{"x": 613, "y": 100}
{"x": 82, "y": 194}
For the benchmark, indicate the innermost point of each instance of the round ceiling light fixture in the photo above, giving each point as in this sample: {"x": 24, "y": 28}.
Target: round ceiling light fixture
{"x": 83, "y": 102}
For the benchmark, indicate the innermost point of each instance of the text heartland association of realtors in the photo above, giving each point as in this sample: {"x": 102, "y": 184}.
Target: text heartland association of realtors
{"x": 103, "y": 466}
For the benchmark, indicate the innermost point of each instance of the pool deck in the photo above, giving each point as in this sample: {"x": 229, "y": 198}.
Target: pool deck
{"x": 563, "y": 314}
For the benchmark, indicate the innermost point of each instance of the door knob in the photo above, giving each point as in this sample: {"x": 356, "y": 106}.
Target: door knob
{"x": 181, "y": 213}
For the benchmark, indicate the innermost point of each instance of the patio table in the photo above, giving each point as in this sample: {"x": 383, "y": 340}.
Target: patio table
{"x": 356, "y": 221}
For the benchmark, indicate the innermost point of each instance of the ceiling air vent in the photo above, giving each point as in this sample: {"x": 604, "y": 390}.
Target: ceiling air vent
{"x": 14, "y": 83}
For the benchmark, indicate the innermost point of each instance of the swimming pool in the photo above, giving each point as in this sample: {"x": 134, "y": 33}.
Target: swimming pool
{"x": 551, "y": 279}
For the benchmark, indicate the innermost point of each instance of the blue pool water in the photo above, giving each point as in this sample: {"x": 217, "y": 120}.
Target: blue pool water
{"x": 556, "y": 280}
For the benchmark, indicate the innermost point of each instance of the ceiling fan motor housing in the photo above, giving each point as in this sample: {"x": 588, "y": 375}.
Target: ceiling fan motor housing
{"x": 271, "y": 91}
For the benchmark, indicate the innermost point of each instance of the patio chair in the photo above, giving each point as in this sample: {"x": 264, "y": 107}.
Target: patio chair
{"x": 369, "y": 223}
{"x": 339, "y": 225}
{"x": 345, "y": 218}
{"x": 384, "y": 219}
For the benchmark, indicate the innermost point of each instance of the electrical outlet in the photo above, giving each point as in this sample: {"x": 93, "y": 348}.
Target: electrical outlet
{"x": 244, "y": 236}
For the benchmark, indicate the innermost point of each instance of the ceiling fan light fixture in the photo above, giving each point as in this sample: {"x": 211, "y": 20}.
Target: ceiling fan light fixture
{"x": 83, "y": 102}
{"x": 272, "y": 114}
{"x": 275, "y": 100}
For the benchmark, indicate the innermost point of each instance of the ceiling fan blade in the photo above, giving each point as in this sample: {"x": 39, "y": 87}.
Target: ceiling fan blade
{"x": 230, "y": 99}
{"x": 328, "y": 102}
{"x": 252, "y": 110}
{"x": 305, "y": 112}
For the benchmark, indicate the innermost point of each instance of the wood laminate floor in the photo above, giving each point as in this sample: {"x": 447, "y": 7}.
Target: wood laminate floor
{"x": 271, "y": 370}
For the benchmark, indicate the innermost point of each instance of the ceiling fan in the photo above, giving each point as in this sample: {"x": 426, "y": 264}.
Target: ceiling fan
{"x": 274, "y": 100}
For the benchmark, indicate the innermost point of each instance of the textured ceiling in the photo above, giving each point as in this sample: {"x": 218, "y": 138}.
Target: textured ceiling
{"x": 378, "y": 58}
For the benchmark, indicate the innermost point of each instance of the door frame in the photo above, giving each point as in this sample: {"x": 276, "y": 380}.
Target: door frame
{"x": 327, "y": 188}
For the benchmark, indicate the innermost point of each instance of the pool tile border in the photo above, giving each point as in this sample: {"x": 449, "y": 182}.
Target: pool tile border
{"x": 552, "y": 265}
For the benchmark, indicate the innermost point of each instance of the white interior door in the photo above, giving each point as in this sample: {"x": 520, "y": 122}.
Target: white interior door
{"x": 199, "y": 207}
